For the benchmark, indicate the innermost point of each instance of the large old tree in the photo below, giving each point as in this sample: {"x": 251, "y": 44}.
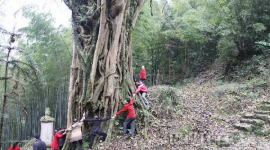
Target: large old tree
{"x": 101, "y": 70}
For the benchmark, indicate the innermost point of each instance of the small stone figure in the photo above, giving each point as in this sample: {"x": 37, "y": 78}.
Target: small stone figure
{"x": 47, "y": 117}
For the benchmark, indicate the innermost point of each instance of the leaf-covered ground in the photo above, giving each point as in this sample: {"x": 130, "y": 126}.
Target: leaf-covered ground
{"x": 198, "y": 115}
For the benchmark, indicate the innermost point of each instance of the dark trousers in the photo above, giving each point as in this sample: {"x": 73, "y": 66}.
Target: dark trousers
{"x": 93, "y": 135}
{"x": 132, "y": 123}
{"x": 60, "y": 147}
{"x": 134, "y": 78}
{"x": 74, "y": 145}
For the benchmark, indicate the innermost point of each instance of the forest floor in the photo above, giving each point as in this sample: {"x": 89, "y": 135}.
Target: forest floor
{"x": 198, "y": 115}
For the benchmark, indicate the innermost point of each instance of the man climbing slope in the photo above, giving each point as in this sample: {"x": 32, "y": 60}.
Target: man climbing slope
{"x": 131, "y": 115}
{"x": 143, "y": 90}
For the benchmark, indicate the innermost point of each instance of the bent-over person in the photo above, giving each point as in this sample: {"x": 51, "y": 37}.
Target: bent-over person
{"x": 96, "y": 130}
{"x": 76, "y": 133}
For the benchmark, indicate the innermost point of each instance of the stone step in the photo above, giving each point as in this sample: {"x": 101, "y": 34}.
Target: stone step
{"x": 243, "y": 127}
{"x": 255, "y": 122}
{"x": 249, "y": 116}
{"x": 264, "y": 107}
{"x": 262, "y": 132}
{"x": 266, "y": 132}
{"x": 262, "y": 112}
{"x": 263, "y": 117}
{"x": 266, "y": 102}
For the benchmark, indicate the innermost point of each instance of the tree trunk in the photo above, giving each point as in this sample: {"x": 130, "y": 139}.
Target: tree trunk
{"x": 102, "y": 59}
{"x": 5, "y": 98}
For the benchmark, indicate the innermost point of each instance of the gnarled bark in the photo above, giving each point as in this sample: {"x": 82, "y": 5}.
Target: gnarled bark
{"x": 102, "y": 58}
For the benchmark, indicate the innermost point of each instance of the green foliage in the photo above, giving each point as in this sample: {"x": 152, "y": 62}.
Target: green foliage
{"x": 218, "y": 120}
{"x": 49, "y": 49}
{"x": 222, "y": 143}
{"x": 86, "y": 139}
{"x": 250, "y": 69}
{"x": 227, "y": 50}
{"x": 249, "y": 81}
{"x": 184, "y": 130}
{"x": 263, "y": 46}
{"x": 169, "y": 102}
{"x": 148, "y": 43}
{"x": 259, "y": 27}
{"x": 119, "y": 124}
{"x": 181, "y": 39}
{"x": 168, "y": 97}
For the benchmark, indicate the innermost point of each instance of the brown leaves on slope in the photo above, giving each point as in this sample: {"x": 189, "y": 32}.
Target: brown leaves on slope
{"x": 189, "y": 118}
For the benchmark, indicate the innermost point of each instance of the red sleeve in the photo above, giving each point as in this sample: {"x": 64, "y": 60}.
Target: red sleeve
{"x": 59, "y": 135}
{"x": 121, "y": 111}
{"x": 10, "y": 148}
{"x": 132, "y": 100}
{"x": 18, "y": 148}
{"x": 138, "y": 90}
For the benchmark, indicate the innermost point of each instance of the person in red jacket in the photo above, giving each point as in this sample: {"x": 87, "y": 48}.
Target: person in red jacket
{"x": 143, "y": 90}
{"x": 58, "y": 134}
{"x": 15, "y": 146}
{"x": 131, "y": 115}
{"x": 143, "y": 74}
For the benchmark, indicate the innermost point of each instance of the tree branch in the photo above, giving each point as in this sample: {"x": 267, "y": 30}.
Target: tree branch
{"x": 4, "y": 31}
{"x": 4, "y": 78}
{"x": 12, "y": 48}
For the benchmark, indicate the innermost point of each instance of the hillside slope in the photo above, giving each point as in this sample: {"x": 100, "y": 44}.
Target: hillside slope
{"x": 203, "y": 114}
{"x": 199, "y": 115}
